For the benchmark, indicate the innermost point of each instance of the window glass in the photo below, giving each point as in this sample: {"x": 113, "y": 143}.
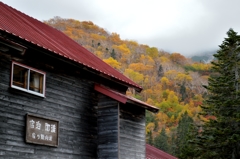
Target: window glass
{"x": 36, "y": 82}
{"x": 20, "y": 76}
{"x": 28, "y": 79}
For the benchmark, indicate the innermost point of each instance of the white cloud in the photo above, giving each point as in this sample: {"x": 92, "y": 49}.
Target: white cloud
{"x": 184, "y": 26}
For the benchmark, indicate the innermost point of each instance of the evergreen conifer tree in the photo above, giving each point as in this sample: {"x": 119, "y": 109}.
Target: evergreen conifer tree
{"x": 183, "y": 91}
{"x": 220, "y": 137}
{"x": 160, "y": 71}
{"x": 113, "y": 54}
{"x": 185, "y": 132}
{"x": 150, "y": 139}
{"x": 161, "y": 141}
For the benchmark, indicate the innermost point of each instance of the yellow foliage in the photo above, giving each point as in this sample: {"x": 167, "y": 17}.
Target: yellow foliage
{"x": 198, "y": 97}
{"x": 191, "y": 104}
{"x": 135, "y": 76}
{"x": 141, "y": 63}
{"x": 148, "y": 67}
{"x": 140, "y": 67}
{"x": 99, "y": 54}
{"x": 168, "y": 131}
{"x": 129, "y": 93}
{"x": 164, "y": 80}
{"x": 172, "y": 119}
{"x": 123, "y": 52}
{"x": 190, "y": 113}
{"x": 171, "y": 74}
{"x": 123, "y": 49}
{"x": 199, "y": 109}
{"x": 112, "y": 62}
{"x": 182, "y": 77}
{"x": 146, "y": 60}
{"x": 97, "y": 37}
{"x": 201, "y": 66}
{"x": 137, "y": 66}
{"x": 161, "y": 117}
{"x": 150, "y": 101}
{"x": 172, "y": 98}
{"x": 149, "y": 91}
{"x": 203, "y": 118}
{"x": 133, "y": 43}
{"x": 150, "y": 127}
{"x": 152, "y": 52}
{"x": 115, "y": 38}
{"x": 164, "y": 59}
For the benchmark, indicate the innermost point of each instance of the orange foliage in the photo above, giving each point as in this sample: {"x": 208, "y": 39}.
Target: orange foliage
{"x": 178, "y": 58}
{"x": 160, "y": 73}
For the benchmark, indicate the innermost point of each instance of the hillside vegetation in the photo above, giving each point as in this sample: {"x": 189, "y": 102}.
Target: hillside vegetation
{"x": 170, "y": 81}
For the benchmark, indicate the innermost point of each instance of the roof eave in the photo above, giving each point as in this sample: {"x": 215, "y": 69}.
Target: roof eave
{"x": 86, "y": 67}
{"x": 122, "y": 98}
{"x": 149, "y": 108}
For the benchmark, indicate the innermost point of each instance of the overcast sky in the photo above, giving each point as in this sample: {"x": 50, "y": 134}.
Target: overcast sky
{"x": 184, "y": 26}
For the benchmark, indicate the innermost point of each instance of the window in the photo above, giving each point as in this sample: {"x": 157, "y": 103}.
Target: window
{"x": 28, "y": 79}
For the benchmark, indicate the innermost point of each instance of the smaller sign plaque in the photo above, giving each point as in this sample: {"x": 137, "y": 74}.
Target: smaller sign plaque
{"x": 41, "y": 130}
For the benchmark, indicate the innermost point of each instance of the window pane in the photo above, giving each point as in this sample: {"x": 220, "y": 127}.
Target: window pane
{"x": 20, "y": 76}
{"x": 36, "y": 82}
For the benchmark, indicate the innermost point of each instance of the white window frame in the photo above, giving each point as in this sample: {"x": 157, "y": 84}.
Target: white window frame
{"x": 28, "y": 82}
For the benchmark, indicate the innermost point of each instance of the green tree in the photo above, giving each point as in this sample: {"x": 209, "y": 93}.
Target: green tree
{"x": 160, "y": 72}
{"x": 149, "y": 117}
{"x": 183, "y": 92}
{"x": 161, "y": 141}
{"x": 150, "y": 139}
{"x": 184, "y": 133}
{"x": 220, "y": 137}
{"x": 172, "y": 143}
{"x": 113, "y": 54}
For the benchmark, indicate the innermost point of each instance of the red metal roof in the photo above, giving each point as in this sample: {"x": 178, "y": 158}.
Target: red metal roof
{"x": 154, "y": 153}
{"x": 124, "y": 98}
{"x": 25, "y": 27}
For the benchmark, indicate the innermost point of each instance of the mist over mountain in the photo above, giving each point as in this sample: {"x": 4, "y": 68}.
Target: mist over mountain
{"x": 205, "y": 57}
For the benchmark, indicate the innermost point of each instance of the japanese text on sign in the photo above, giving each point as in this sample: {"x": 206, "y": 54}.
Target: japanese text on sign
{"x": 42, "y": 130}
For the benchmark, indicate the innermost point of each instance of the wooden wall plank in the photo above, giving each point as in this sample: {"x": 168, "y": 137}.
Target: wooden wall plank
{"x": 132, "y": 132}
{"x": 69, "y": 99}
{"x": 107, "y": 128}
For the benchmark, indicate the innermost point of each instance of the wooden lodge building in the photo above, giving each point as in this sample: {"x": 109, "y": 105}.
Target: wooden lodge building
{"x": 59, "y": 101}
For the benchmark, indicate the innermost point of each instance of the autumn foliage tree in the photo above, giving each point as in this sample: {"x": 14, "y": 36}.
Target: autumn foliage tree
{"x": 170, "y": 81}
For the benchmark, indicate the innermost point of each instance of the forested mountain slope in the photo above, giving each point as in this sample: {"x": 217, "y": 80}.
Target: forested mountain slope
{"x": 170, "y": 81}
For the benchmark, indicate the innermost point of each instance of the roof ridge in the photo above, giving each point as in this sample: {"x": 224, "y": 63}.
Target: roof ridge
{"x": 42, "y": 35}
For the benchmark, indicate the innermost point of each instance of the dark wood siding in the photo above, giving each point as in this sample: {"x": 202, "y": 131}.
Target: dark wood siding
{"x": 108, "y": 118}
{"x": 69, "y": 99}
{"x": 92, "y": 125}
{"x": 132, "y": 132}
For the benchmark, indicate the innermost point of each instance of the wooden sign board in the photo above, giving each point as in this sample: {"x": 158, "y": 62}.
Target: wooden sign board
{"x": 41, "y": 130}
